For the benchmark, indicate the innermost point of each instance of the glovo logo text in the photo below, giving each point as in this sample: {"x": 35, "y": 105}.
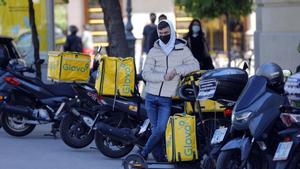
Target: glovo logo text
{"x": 188, "y": 149}
{"x": 75, "y": 68}
{"x": 127, "y": 80}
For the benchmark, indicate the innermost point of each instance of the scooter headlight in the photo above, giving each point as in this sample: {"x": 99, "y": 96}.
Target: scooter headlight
{"x": 243, "y": 116}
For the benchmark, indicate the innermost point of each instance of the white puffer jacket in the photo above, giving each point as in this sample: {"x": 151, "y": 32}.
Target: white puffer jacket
{"x": 158, "y": 64}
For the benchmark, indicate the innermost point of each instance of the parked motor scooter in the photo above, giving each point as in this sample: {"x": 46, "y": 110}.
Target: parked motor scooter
{"x": 223, "y": 85}
{"x": 287, "y": 155}
{"x": 255, "y": 122}
{"x": 116, "y": 137}
{"x": 205, "y": 126}
{"x": 26, "y": 101}
{"x": 7, "y": 46}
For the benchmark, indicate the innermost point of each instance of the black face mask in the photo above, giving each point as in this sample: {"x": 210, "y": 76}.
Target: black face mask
{"x": 165, "y": 38}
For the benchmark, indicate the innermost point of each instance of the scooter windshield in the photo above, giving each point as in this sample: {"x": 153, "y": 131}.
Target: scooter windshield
{"x": 256, "y": 86}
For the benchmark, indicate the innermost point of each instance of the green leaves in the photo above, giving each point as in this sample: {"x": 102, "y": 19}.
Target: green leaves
{"x": 215, "y": 8}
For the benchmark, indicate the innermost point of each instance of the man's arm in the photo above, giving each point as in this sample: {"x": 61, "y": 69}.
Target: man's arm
{"x": 190, "y": 63}
{"x": 148, "y": 73}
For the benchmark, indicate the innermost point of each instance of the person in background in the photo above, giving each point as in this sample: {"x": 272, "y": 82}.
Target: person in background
{"x": 87, "y": 40}
{"x": 146, "y": 46}
{"x": 154, "y": 35}
{"x": 152, "y": 38}
{"x": 148, "y": 29}
{"x": 169, "y": 59}
{"x": 73, "y": 42}
{"x": 197, "y": 43}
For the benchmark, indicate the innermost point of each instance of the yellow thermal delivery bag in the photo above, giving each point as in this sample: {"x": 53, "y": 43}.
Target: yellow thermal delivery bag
{"x": 207, "y": 106}
{"x": 116, "y": 76}
{"x": 68, "y": 66}
{"x": 181, "y": 143}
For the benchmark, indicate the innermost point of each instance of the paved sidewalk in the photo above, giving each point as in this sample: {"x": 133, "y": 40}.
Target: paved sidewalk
{"x": 36, "y": 151}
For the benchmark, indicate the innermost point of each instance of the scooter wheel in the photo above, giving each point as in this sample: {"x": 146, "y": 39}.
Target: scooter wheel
{"x": 13, "y": 126}
{"x": 135, "y": 161}
{"x": 208, "y": 163}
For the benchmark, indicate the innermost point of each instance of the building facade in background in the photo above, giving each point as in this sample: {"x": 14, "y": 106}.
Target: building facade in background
{"x": 277, "y": 32}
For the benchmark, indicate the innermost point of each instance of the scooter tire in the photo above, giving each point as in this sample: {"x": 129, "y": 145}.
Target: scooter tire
{"x": 233, "y": 157}
{"x": 71, "y": 140}
{"x": 134, "y": 161}
{"x": 208, "y": 163}
{"x": 295, "y": 163}
{"x": 103, "y": 147}
{"x": 8, "y": 126}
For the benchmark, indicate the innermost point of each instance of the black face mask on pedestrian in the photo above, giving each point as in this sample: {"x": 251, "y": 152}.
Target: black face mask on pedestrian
{"x": 165, "y": 39}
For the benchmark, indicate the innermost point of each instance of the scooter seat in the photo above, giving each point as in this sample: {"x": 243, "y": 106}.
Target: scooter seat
{"x": 61, "y": 89}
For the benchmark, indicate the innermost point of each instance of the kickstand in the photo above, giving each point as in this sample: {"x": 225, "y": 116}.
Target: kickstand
{"x": 93, "y": 148}
{"x": 53, "y": 132}
{"x": 51, "y": 135}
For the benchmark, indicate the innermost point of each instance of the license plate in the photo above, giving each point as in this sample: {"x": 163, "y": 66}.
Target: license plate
{"x": 219, "y": 135}
{"x": 283, "y": 151}
{"x": 207, "y": 89}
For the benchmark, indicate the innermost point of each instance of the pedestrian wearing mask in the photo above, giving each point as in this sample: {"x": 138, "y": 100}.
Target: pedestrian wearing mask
{"x": 169, "y": 59}
{"x": 154, "y": 37}
{"x": 197, "y": 43}
{"x": 148, "y": 29}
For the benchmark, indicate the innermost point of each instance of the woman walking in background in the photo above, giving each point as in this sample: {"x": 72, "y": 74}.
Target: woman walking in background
{"x": 197, "y": 43}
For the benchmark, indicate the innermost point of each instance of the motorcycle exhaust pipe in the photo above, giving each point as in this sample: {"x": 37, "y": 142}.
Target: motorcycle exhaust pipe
{"x": 22, "y": 110}
{"x": 123, "y": 135}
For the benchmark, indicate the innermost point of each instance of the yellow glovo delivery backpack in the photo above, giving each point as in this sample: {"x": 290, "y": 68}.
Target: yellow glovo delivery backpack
{"x": 116, "y": 76}
{"x": 68, "y": 66}
{"x": 181, "y": 142}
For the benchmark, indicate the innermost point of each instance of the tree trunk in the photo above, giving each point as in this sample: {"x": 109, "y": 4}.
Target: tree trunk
{"x": 228, "y": 39}
{"x": 35, "y": 39}
{"x": 114, "y": 25}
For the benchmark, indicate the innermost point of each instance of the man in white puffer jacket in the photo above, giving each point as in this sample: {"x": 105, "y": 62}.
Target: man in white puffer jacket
{"x": 169, "y": 59}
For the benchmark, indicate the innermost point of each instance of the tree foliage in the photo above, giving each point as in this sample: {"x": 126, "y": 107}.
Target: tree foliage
{"x": 216, "y": 8}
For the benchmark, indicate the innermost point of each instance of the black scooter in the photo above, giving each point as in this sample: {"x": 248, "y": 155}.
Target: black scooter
{"x": 254, "y": 127}
{"x": 27, "y": 101}
{"x": 215, "y": 85}
{"x": 116, "y": 137}
{"x": 223, "y": 85}
{"x": 287, "y": 155}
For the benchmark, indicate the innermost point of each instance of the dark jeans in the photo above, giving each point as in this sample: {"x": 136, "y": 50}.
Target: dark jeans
{"x": 158, "y": 111}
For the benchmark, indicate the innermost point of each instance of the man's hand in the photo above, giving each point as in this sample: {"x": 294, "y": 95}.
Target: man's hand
{"x": 169, "y": 76}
